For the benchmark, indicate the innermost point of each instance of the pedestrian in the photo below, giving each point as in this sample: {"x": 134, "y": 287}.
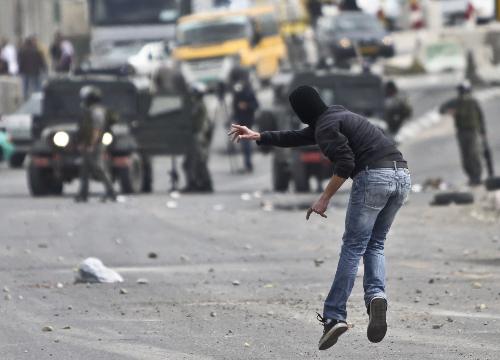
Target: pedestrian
{"x": 95, "y": 121}
{"x": 397, "y": 108}
{"x": 32, "y": 65}
{"x": 381, "y": 184}
{"x": 470, "y": 129}
{"x": 315, "y": 10}
{"x": 195, "y": 165}
{"x": 245, "y": 105}
{"x": 62, "y": 53}
{"x": 8, "y": 58}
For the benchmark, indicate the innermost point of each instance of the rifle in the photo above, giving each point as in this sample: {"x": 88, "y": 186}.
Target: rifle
{"x": 488, "y": 158}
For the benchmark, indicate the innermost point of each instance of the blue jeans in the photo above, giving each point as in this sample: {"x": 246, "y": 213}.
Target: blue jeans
{"x": 246, "y": 148}
{"x": 376, "y": 197}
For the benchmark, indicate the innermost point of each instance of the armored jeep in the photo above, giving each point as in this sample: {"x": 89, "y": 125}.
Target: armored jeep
{"x": 146, "y": 124}
{"x": 359, "y": 92}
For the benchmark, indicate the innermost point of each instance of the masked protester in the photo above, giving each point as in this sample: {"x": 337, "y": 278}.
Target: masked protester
{"x": 471, "y": 129}
{"x": 381, "y": 184}
{"x": 96, "y": 120}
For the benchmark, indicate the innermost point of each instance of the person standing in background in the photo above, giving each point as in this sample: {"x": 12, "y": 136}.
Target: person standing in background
{"x": 32, "y": 65}
{"x": 245, "y": 104}
{"x": 8, "y": 56}
{"x": 62, "y": 54}
{"x": 471, "y": 130}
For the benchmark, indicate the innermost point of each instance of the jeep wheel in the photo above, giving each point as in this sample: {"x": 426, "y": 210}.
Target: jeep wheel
{"x": 131, "y": 177}
{"x": 300, "y": 177}
{"x": 281, "y": 176}
{"x": 16, "y": 160}
{"x": 38, "y": 181}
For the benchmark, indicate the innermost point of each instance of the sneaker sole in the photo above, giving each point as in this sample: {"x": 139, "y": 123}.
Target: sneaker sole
{"x": 377, "y": 326}
{"x": 331, "y": 337}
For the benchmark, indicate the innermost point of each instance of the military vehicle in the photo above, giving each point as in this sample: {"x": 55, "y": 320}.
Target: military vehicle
{"x": 361, "y": 93}
{"x": 147, "y": 124}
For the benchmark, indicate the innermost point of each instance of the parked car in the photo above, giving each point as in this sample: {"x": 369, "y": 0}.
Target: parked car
{"x": 362, "y": 93}
{"x": 135, "y": 58}
{"x": 19, "y": 126}
{"x": 350, "y": 34}
{"x": 456, "y": 12}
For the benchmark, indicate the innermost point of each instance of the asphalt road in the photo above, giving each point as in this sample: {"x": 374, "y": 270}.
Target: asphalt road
{"x": 443, "y": 269}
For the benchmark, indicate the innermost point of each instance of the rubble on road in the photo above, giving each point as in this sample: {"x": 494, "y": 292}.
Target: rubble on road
{"x": 142, "y": 281}
{"x": 153, "y": 255}
{"x": 236, "y": 283}
{"x": 92, "y": 270}
{"x": 47, "y": 329}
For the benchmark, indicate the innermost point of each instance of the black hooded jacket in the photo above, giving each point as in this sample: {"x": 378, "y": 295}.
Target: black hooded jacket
{"x": 349, "y": 140}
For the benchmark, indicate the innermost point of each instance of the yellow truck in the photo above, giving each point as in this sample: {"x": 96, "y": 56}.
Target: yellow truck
{"x": 210, "y": 45}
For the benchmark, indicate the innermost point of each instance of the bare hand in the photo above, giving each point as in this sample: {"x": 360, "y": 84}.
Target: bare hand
{"x": 239, "y": 132}
{"x": 319, "y": 207}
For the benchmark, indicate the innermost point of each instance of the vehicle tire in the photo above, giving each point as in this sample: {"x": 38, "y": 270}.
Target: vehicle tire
{"x": 281, "y": 176}
{"x": 147, "y": 182}
{"x": 459, "y": 198}
{"x": 300, "y": 177}
{"x": 492, "y": 183}
{"x": 131, "y": 177}
{"x": 16, "y": 160}
{"x": 38, "y": 181}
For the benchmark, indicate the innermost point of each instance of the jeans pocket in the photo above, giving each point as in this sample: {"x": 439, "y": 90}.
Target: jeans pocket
{"x": 376, "y": 194}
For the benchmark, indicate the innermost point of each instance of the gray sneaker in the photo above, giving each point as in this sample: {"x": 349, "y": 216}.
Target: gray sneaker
{"x": 332, "y": 329}
{"x": 377, "y": 325}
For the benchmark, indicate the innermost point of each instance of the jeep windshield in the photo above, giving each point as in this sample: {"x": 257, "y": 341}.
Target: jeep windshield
{"x": 133, "y": 12}
{"x": 213, "y": 31}
{"x": 360, "y": 98}
{"x": 63, "y": 101}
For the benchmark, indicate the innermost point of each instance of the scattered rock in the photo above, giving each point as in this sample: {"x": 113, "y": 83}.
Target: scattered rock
{"x": 247, "y": 344}
{"x": 213, "y": 314}
{"x": 418, "y": 291}
{"x": 267, "y": 206}
{"x": 20, "y": 297}
{"x": 246, "y": 197}
{"x": 47, "y": 329}
{"x": 431, "y": 281}
{"x": 211, "y": 270}
{"x": 142, "y": 281}
{"x": 67, "y": 327}
{"x": 218, "y": 207}
{"x": 318, "y": 262}
{"x": 172, "y": 204}
{"x": 43, "y": 246}
{"x": 449, "y": 319}
{"x": 118, "y": 241}
{"x": 153, "y": 255}
{"x": 123, "y": 291}
{"x": 269, "y": 286}
{"x": 236, "y": 283}
{"x": 480, "y": 307}
{"x": 184, "y": 258}
{"x": 70, "y": 307}
{"x": 416, "y": 300}
{"x": 175, "y": 195}
{"x": 92, "y": 270}
{"x": 270, "y": 313}
{"x": 477, "y": 285}
{"x": 6, "y": 289}
{"x": 59, "y": 285}
{"x": 437, "y": 326}
{"x": 248, "y": 247}
{"x": 7, "y": 297}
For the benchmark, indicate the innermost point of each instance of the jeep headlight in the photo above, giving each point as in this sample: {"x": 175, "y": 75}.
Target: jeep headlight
{"x": 107, "y": 139}
{"x": 61, "y": 139}
{"x": 345, "y": 43}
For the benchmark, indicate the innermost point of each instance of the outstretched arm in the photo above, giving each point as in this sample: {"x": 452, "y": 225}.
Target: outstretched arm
{"x": 287, "y": 138}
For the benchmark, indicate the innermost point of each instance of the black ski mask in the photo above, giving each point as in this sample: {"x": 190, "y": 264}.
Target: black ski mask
{"x": 307, "y": 104}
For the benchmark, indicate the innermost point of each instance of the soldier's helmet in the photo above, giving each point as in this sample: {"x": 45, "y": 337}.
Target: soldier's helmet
{"x": 90, "y": 95}
{"x": 464, "y": 87}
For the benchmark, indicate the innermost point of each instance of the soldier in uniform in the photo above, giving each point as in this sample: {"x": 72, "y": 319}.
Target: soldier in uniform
{"x": 195, "y": 165}
{"x": 397, "y": 108}
{"x": 471, "y": 130}
{"x": 96, "y": 120}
